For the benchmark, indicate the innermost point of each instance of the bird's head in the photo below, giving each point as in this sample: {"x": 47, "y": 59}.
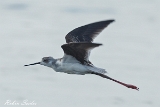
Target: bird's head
{"x": 46, "y": 61}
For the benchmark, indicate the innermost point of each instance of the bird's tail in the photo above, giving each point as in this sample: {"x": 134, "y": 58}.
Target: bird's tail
{"x": 96, "y": 69}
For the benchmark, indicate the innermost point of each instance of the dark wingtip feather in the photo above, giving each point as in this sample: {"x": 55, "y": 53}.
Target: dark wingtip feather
{"x": 98, "y": 44}
{"x": 110, "y": 21}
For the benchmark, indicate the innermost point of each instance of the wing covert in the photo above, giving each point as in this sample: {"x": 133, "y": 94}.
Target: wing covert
{"x": 79, "y": 50}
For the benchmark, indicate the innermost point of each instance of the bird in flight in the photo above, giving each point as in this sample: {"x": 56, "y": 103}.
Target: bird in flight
{"x": 79, "y": 43}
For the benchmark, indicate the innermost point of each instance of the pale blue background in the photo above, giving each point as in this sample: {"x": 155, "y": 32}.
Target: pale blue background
{"x": 32, "y": 29}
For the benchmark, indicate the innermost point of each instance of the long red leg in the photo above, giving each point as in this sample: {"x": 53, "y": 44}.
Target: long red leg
{"x": 127, "y": 85}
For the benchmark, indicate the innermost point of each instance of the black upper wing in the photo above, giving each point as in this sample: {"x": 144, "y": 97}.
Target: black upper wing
{"x": 79, "y": 50}
{"x": 86, "y": 33}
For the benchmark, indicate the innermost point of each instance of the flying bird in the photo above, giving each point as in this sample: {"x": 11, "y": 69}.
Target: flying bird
{"x": 79, "y": 43}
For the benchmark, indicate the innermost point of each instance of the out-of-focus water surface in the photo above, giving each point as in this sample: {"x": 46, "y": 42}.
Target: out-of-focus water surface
{"x": 32, "y": 29}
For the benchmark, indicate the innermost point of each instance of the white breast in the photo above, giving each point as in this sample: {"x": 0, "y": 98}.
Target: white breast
{"x": 70, "y": 66}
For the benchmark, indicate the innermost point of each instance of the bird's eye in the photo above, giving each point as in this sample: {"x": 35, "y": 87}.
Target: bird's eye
{"x": 45, "y": 60}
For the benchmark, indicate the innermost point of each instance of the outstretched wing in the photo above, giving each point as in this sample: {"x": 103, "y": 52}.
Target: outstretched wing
{"x": 87, "y": 33}
{"x": 79, "y": 50}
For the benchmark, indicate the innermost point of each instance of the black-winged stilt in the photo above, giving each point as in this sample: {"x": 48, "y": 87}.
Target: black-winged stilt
{"x": 77, "y": 51}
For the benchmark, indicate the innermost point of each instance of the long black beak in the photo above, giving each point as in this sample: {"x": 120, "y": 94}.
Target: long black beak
{"x": 33, "y": 64}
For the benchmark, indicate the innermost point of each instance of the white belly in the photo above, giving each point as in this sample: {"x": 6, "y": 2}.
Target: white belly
{"x": 72, "y": 68}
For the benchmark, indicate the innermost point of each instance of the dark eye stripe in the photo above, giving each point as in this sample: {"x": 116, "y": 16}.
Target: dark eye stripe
{"x": 45, "y": 60}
